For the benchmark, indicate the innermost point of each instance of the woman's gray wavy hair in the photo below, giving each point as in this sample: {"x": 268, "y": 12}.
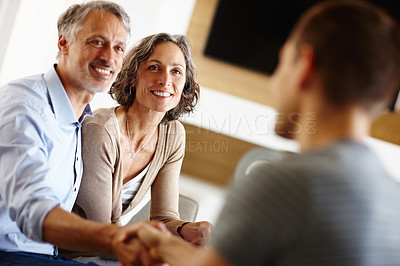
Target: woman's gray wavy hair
{"x": 125, "y": 94}
{"x": 70, "y": 22}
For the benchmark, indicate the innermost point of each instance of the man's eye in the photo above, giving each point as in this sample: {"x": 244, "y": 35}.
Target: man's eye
{"x": 96, "y": 43}
{"x": 120, "y": 49}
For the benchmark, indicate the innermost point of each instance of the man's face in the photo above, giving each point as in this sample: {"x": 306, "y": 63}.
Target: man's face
{"x": 94, "y": 58}
{"x": 284, "y": 90}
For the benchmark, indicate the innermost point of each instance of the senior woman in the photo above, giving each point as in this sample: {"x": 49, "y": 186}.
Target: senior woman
{"x": 140, "y": 144}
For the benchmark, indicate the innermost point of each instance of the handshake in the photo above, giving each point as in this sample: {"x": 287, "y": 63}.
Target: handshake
{"x": 150, "y": 243}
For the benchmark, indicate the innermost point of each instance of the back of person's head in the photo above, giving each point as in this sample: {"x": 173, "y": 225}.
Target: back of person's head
{"x": 71, "y": 21}
{"x": 123, "y": 91}
{"x": 357, "y": 52}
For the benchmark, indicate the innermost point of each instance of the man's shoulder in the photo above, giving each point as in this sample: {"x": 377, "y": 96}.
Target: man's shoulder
{"x": 32, "y": 82}
{"x": 31, "y": 89}
{"x": 343, "y": 163}
{"x": 331, "y": 161}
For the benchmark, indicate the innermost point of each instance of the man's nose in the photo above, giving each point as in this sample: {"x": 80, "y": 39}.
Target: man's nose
{"x": 108, "y": 54}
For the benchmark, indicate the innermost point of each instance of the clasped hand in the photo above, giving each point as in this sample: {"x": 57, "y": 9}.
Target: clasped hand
{"x": 151, "y": 244}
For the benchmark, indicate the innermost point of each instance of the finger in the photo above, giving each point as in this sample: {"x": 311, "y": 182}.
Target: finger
{"x": 130, "y": 253}
{"x": 206, "y": 228}
{"x": 150, "y": 236}
{"x": 163, "y": 228}
{"x": 160, "y": 226}
{"x": 197, "y": 241}
{"x": 146, "y": 258}
{"x": 128, "y": 232}
{"x": 150, "y": 257}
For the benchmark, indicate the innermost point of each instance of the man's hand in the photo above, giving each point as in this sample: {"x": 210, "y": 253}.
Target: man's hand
{"x": 175, "y": 251}
{"x": 167, "y": 247}
{"x": 69, "y": 231}
{"x": 129, "y": 250}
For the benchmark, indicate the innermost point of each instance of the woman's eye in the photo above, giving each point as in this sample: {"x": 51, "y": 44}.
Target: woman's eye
{"x": 177, "y": 71}
{"x": 153, "y": 67}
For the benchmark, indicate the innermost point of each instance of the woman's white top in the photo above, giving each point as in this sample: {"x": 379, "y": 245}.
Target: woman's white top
{"x": 130, "y": 188}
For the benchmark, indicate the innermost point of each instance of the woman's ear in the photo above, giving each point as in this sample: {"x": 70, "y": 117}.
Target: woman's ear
{"x": 307, "y": 65}
{"x": 63, "y": 45}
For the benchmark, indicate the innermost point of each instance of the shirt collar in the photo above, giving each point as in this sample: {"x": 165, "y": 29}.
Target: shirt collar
{"x": 87, "y": 111}
{"x": 62, "y": 107}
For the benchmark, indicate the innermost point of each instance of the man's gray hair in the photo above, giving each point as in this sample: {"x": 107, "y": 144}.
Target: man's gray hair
{"x": 70, "y": 22}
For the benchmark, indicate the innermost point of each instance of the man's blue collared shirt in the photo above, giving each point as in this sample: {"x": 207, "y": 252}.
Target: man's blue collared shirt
{"x": 40, "y": 158}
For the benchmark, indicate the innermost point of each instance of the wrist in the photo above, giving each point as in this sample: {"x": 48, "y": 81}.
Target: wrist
{"x": 179, "y": 229}
{"x": 112, "y": 237}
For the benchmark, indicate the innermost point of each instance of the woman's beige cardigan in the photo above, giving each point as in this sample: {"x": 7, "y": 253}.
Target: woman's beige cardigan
{"x": 99, "y": 197}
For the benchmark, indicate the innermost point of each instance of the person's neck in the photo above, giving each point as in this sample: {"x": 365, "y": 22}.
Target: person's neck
{"x": 78, "y": 97}
{"x": 333, "y": 124}
{"x": 142, "y": 121}
{"x": 79, "y": 100}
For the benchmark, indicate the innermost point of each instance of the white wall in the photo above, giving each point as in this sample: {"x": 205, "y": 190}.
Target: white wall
{"x": 31, "y": 47}
{"x": 8, "y": 10}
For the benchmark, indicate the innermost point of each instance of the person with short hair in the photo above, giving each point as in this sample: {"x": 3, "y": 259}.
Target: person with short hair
{"x": 334, "y": 203}
{"x": 40, "y": 143}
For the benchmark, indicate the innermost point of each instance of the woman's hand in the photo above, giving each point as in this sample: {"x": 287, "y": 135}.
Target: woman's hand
{"x": 196, "y": 233}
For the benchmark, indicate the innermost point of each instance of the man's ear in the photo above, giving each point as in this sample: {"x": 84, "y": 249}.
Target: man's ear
{"x": 307, "y": 59}
{"x": 63, "y": 45}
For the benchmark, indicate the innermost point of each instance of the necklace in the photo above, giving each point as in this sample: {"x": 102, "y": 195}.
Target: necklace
{"x": 129, "y": 137}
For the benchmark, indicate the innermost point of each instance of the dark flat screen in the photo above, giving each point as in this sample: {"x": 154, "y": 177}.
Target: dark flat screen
{"x": 250, "y": 33}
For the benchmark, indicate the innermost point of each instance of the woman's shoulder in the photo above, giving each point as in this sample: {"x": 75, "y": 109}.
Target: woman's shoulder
{"x": 174, "y": 127}
{"x": 101, "y": 116}
{"x": 103, "y": 121}
{"x": 104, "y": 112}
{"x": 173, "y": 134}
{"x": 173, "y": 138}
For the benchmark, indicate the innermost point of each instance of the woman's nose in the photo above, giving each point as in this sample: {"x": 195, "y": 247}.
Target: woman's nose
{"x": 164, "y": 79}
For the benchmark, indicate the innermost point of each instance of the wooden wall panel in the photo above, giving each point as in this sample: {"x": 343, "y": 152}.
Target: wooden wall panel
{"x": 212, "y": 156}
{"x": 387, "y": 128}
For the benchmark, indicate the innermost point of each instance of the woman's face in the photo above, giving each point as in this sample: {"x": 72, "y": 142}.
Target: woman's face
{"x": 161, "y": 78}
